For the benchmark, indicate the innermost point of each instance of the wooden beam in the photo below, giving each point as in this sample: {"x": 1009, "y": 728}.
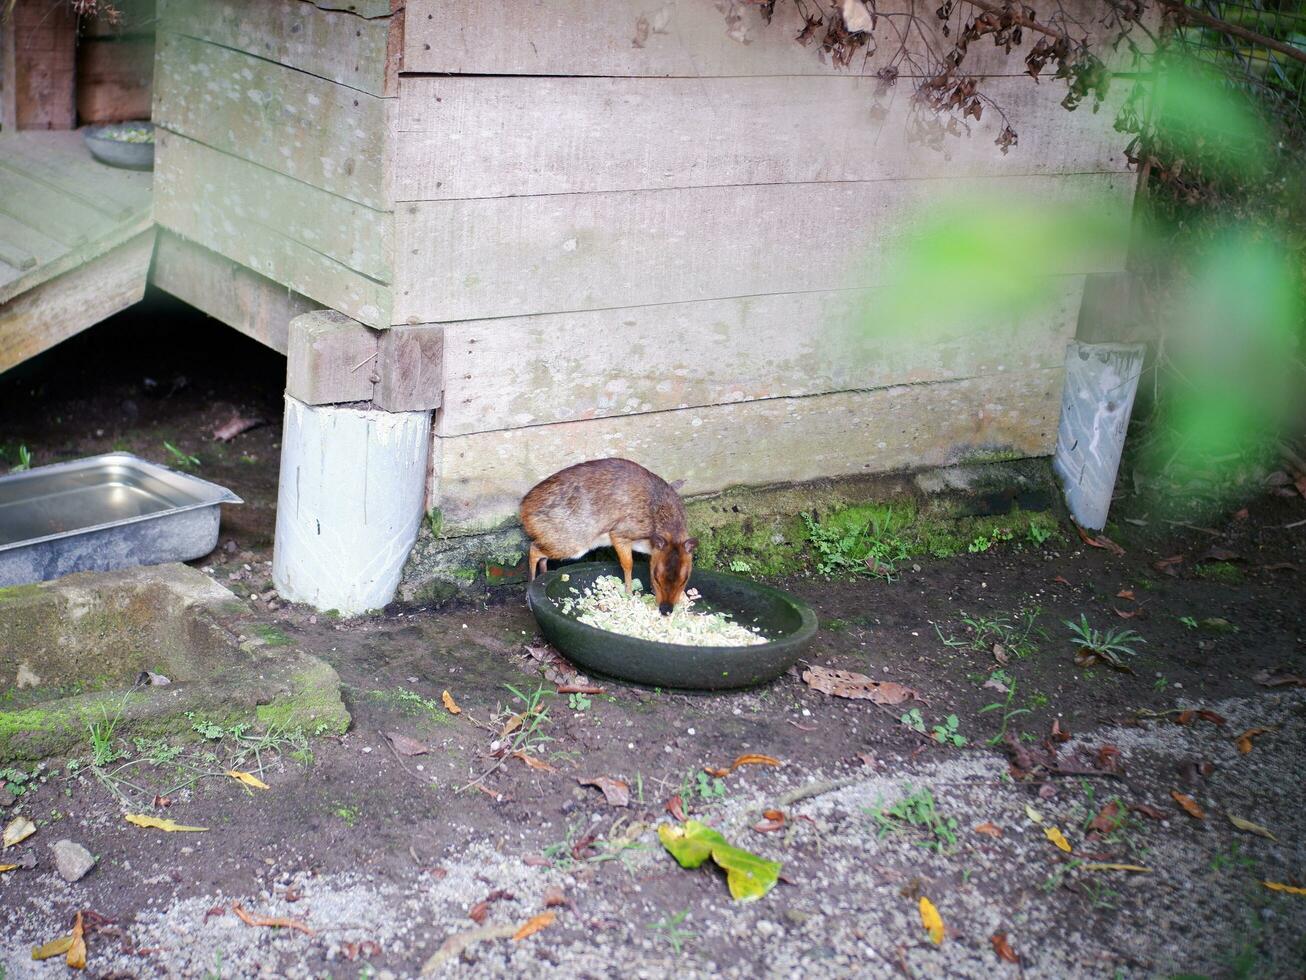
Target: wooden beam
{"x": 331, "y": 359}
{"x": 227, "y": 291}
{"x": 66, "y": 305}
{"x": 497, "y": 137}
{"x": 114, "y": 78}
{"x": 410, "y": 369}
{"x": 482, "y": 476}
{"x": 463, "y": 260}
{"x": 536, "y": 370}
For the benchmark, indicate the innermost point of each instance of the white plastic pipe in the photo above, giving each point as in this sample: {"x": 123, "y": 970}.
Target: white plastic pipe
{"x": 349, "y": 503}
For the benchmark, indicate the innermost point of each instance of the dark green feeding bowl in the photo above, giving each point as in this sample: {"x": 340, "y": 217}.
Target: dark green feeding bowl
{"x": 789, "y": 623}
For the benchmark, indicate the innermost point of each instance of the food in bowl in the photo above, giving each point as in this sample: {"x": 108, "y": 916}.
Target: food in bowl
{"x": 127, "y": 133}
{"x": 606, "y": 606}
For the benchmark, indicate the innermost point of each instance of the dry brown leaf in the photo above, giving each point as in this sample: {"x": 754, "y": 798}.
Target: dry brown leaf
{"x": 847, "y": 684}
{"x": 753, "y": 759}
{"x": 555, "y": 897}
{"x": 1126, "y": 594}
{"x": 250, "y": 919}
{"x": 1126, "y": 615}
{"x": 1185, "y": 717}
{"x": 17, "y": 830}
{"x": 234, "y": 426}
{"x": 1061, "y": 580}
{"x": 481, "y": 909}
{"x": 1188, "y": 805}
{"x": 535, "y": 762}
{"x": 450, "y": 704}
{"x": 247, "y": 778}
{"x": 676, "y": 807}
{"x": 405, "y": 745}
{"x": 1107, "y": 819}
{"x": 1169, "y": 566}
{"x": 615, "y": 791}
{"x": 534, "y": 924}
{"x": 716, "y": 773}
{"x": 1147, "y": 810}
{"x": 988, "y": 828}
{"x": 1099, "y": 541}
{"x": 1244, "y": 741}
{"x": 1207, "y": 715}
{"x": 76, "y": 957}
{"x": 55, "y": 947}
{"x": 1278, "y": 678}
{"x": 1003, "y": 948}
{"x": 772, "y": 821}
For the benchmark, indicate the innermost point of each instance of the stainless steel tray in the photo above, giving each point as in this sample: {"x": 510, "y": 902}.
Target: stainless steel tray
{"x": 101, "y": 513}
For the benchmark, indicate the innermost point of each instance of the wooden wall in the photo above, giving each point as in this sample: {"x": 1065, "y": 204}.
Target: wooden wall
{"x": 275, "y": 121}
{"x": 645, "y": 237}
{"x": 38, "y": 45}
{"x": 115, "y": 64}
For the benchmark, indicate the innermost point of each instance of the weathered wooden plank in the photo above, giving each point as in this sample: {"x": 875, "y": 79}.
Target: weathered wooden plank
{"x": 232, "y": 192}
{"x": 482, "y": 476}
{"x": 497, "y": 137}
{"x": 227, "y": 291}
{"x": 55, "y": 310}
{"x": 39, "y": 54}
{"x": 464, "y": 260}
{"x": 534, "y": 370}
{"x": 688, "y": 38}
{"x": 52, "y": 210}
{"x": 113, "y": 79}
{"x": 410, "y": 369}
{"x": 22, "y": 249}
{"x": 332, "y": 44}
{"x": 362, "y": 8}
{"x": 60, "y": 160}
{"x": 308, "y": 128}
{"x": 71, "y": 258}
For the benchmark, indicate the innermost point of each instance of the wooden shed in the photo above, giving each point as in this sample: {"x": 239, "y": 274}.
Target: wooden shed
{"x": 641, "y": 227}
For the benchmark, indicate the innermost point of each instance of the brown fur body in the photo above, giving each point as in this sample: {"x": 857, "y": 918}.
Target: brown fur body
{"x": 611, "y": 502}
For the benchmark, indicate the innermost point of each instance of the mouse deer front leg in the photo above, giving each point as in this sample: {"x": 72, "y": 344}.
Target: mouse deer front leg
{"x": 622, "y": 547}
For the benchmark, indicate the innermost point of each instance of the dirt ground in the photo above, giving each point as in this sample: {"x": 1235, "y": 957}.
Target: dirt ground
{"x": 382, "y": 857}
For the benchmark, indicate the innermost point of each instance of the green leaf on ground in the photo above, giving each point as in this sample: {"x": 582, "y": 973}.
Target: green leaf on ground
{"x": 748, "y": 876}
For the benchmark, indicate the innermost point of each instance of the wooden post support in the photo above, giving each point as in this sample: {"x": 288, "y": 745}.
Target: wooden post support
{"x": 330, "y": 359}
{"x": 410, "y": 368}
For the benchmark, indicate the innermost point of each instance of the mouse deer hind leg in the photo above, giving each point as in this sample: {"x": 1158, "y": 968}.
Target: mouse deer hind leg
{"x": 622, "y": 547}
{"x": 537, "y": 559}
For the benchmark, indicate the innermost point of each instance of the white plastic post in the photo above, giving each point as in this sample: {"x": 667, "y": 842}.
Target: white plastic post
{"x": 1101, "y": 380}
{"x": 349, "y": 503}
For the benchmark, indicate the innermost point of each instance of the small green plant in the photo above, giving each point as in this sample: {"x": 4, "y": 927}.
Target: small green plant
{"x": 740, "y": 566}
{"x": 24, "y": 461}
{"x": 435, "y": 521}
{"x": 579, "y": 702}
{"x": 915, "y": 813}
{"x": 1160, "y": 684}
{"x": 104, "y": 749}
{"x": 413, "y": 704}
{"x": 348, "y": 814}
{"x": 1018, "y": 633}
{"x": 914, "y": 720}
{"x": 179, "y": 458}
{"x": 669, "y": 931}
{"x": 16, "y": 780}
{"x": 859, "y": 541}
{"x": 710, "y": 787}
{"x": 1109, "y": 646}
{"x": 529, "y": 733}
{"x": 1040, "y": 534}
{"x": 946, "y": 733}
{"x": 984, "y": 542}
{"x": 1008, "y": 713}
{"x": 157, "y": 751}
{"x": 1188, "y": 621}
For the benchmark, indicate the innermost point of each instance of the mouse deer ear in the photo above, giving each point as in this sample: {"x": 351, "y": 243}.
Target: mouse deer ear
{"x": 691, "y": 544}
{"x": 677, "y": 485}
{"x": 657, "y": 542}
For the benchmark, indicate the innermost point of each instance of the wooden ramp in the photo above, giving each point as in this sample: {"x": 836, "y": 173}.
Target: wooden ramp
{"x": 76, "y": 238}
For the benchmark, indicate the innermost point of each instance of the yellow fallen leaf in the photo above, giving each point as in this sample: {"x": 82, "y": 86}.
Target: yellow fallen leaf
{"x": 7, "y": 867}
{"x": 18, "y": 829}
{"x": 511, "y": 725}
{"x": 753, "y": 759}
{"x": 534, "y": 924}
{"x": 1278, "y": 886}
{"x": 931, "y": 920}
{"x": 1033, "y": 814}
{"x": 248, "y": 778}
{"x": 55, "y": 947}
{"x": 1251, "y": 828}
{"x": 1055, "y": 835}
{"x": 450, "y": 703}
{"x": 76, "y": 957}
{"x": 1100, "y": 866}
{"x": 141, "y": 820}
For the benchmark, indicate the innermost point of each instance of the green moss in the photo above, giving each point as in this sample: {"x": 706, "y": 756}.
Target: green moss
{"x": 18, "y": 592}
{"x": 270, "y": 635}
{"x": 315, "y": 705}
{"x": 759, "y": 548}
{"x": 1224, "y": 572}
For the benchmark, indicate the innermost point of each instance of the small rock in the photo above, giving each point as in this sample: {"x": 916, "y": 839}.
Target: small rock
{"x": 72, "y": 860}
{"x": 7, "y": 796}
